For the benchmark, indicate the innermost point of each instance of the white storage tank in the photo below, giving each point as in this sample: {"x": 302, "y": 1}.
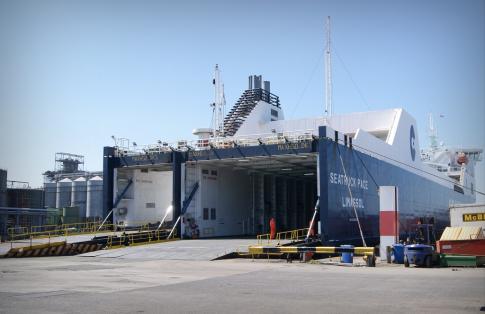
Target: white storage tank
{"x": 50, "y": 192}
{"x": 64, "y": 190}
{"x": 79, "y": 196}
{"x": 94, "y": 207}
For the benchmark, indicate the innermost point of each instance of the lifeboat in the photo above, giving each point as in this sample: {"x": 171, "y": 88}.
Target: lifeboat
{"x": 462, "y": 159}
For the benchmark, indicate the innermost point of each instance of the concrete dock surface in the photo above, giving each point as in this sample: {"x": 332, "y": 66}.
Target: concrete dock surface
{"x": 200, "y": 249}
{"x": 77, "y": 284}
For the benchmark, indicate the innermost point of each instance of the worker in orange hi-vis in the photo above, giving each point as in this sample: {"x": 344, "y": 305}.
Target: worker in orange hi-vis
{"x": 272, "y": 228}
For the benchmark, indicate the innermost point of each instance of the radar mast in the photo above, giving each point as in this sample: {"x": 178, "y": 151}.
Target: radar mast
{"x": 218, "y": 107}
{"x": 328, "y": 72}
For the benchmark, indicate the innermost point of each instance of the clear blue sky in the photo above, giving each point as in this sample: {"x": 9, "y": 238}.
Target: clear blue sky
{"x": 73, "y": 73}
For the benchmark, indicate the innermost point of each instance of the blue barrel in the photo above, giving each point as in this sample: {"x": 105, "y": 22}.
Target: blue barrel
{"x": 347, "y": 257}
{"x": 398, "y": 253}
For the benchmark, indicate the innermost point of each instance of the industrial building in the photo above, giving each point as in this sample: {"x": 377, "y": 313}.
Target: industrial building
{"x": 72, "y": 189}
{"x": 20, "y": 205}
{"x": 3, "y": 188}
{"x": 70, "y": 195}
{"x": 25, "y": 197}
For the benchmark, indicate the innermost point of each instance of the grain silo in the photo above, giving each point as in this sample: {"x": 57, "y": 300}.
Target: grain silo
{"x": 94, "y": 208}
{"x": 64, "y": 191}
{"x": 78, "y": 196}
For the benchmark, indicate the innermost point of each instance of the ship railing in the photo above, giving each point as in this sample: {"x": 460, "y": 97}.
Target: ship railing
{"x": 290, "y": 235}
{"x": 224, "y": 142}
{"x": 454, "y": 169}
{"x": 262, "y": 94}
{"x": 258, "y": 139}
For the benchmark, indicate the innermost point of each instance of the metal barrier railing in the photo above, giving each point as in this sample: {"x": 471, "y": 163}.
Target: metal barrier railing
{"x": 290, "y": 235}
{"x": 54, "y": 227}
{"x": 22, "y": 234}
{"x": 54, "y": 230}
{"x": 366, "y": 251}
{"x": 132, "y": 239}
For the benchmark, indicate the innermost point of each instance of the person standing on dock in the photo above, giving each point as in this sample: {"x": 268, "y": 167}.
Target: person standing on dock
{"x": 272, "y": 228}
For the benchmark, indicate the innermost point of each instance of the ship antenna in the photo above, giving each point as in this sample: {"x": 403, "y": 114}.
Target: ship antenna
{"x": 219, "y": 104}
{"x": 223, "y": 111}
{"x": 433, "y": 132}
{"x": 328, "y": 72}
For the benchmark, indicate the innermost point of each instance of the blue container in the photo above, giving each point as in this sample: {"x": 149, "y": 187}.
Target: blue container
{"x": 347, "y": 257}
{"x": 398, "y": 253}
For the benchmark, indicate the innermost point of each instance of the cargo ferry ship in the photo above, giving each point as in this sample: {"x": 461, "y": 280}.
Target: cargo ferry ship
{"x": 253, "y": 165}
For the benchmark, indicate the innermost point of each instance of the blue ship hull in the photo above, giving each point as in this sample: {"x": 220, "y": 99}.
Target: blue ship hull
{"x": 418, "y": 196}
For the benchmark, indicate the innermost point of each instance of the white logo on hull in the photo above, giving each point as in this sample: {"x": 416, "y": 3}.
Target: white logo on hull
{"x": 341, "y": 179}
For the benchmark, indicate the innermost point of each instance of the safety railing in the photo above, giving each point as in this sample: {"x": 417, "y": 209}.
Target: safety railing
{"x": 22, "y": 234}
{"x": 55, "y": 230}
{"x": 290, "y": 235}
{"x": 81, "y": 227}
{"x": 54, "y": 234}
{"x": 132, "y": 239}
{"x": 367, "y": 252}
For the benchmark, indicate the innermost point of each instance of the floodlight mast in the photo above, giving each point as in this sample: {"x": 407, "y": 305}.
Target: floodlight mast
{"x": 328, "y": 71}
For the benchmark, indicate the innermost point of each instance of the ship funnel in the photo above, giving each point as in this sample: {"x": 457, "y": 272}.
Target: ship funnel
{"x": 256, "y": 82}
{"x": 267, "y": 86}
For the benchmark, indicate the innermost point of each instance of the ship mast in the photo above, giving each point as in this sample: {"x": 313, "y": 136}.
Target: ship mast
{"x": 328, "y": 72}
{"x": 433, "y": 133}
{"x": 218, "y": 105}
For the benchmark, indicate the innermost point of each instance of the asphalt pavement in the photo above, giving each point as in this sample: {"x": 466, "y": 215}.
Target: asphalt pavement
{"x": 78, "y": 284}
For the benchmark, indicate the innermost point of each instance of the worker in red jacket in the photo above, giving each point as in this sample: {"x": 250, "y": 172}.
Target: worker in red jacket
{"x": 272, "y": 228}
